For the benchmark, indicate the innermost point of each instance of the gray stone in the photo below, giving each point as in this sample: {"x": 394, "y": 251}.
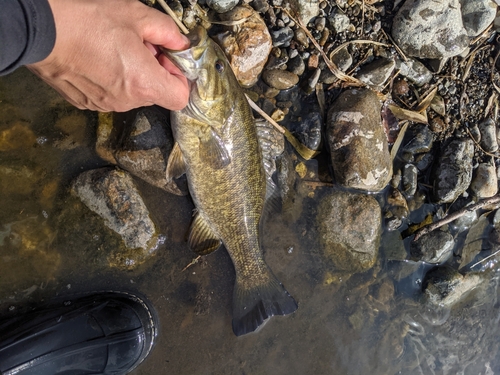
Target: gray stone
{"x": 343, "y": 59}
{"x": 296, "y": 65}
{"x": 111, "y": 193}
{"x": 488, "y": 131}
{"x": 339, "y": 21}
{"x": 430, "y": 29}
{"x": 410, "y": 174}
{"x": 421, "y": 141}
{"x": 453, "y": 172}
{"x": 222, "y": 6}
{"x": 446, "y": 287}
{"x": 282, "y": 37}
{"x": 280, "y": 79}
{"x": 358, "y": 144}
{"x": 414, "y": 70}
{"x": 376, "y": 73}
{"x": 477, "y": 15}
{"x": 350, "y": 230}
{"x": 307, "y": 9}
{"x": 434, "y": 247}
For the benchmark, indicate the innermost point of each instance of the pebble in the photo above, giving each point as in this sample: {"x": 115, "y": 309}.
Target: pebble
{"x": 410, "y": 173}
{"x": 342, "y": 59}
{"x": 421, "y": 141}
{"x": 453, "y": 173}
{"x": 430, "y": 29}
{"x": 301, "y": 37}
{"x": 280, "y": 79}
{"x": 477, "y": 15}
{"x": 414, "y": 70}
{"x": 340, "y": 22}
{"x": 296, "y": 66}
{"x": 485, "y": 183}
{"x": 488, "y": 131}
{"x": 376, "y": 73}
{"x": 282, "y": 37}
{"x": 434, "y": 247}
{"x": 222, "y": 6}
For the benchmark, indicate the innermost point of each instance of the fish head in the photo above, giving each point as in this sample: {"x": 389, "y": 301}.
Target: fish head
{"x": 210, "y": 76}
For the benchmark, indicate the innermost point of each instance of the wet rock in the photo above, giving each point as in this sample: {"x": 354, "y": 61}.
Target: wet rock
{"x": 308, "y": 129}
{"x": 105, "y": 143}
{"x": 376, "y": 73}
{"x": 111, "y": 193}
{"x": 350, "y": 230}
{"x": 453, "y": 171}
{"x": 247, "y": 46}
{"x": 410, "y": 173}
{"x": 488, "y": 132}
{"x": 396, "y": 210}
{"x": 464, "y": 222}
{"x": 280, "y": 79}
{"x": 74, "y": 130}
{"x": 484, "y": 182}
{"x": 17, "y": 135}
{"x": 144, "y": 149}
{"x": 424, "y": 161}
{"x": 222, "y": 6}
{"x": 477, "y": 15}
{"x": 446, "y": 287}
{"x": 421, "y": 140}
{"x": 430, "y": 29}
{"x": 474, "y": 241}
{"x": 19, "y": 179}
{"x": 434, "y": 247}
{"x": 358, "y": 144}
{"x": 282, "y": 37}
{"x": 414, "y": 70}
{"x": 339, "y": 21}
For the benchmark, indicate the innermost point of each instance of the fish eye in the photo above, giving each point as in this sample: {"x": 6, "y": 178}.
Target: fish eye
{"x": 219, "y": 66}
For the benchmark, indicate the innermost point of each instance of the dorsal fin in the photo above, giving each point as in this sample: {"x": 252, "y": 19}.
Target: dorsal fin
{"x": 176, "y": 166}
{"x": 202, "y": 239}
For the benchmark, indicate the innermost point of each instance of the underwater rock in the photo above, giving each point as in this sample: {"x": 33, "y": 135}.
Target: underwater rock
{"x": 434, "y": 247}
{"x": 144, "y": 148}
{"x": 17, "y": 135}
{"x": 112, "y": 194}
{"x": 444, "y": 286}
{"x": 430, "y": 29}
{"x": 358, "y": 144}
{"x": 350, "y": 229}
{"x": 453, "y": 171}
{"x": 246, "y": 46}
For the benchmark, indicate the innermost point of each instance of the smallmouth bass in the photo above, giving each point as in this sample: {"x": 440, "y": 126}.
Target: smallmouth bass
{"x": 219, "y": 149}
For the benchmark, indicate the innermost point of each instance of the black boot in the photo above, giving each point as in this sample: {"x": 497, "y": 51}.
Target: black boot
{"x": 108, "y": 333}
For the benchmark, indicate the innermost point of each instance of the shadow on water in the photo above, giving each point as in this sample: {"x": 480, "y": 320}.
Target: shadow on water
{"x": 373, "y": 322}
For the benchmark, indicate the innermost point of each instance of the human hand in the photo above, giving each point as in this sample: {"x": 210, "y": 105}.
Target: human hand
{"x": 106, "y": 58}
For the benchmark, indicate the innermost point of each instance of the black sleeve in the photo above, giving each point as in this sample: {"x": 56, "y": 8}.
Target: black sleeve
{"x": 27, "y": 33}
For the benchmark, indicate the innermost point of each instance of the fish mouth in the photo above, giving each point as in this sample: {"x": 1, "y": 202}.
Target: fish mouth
{"x": 190, "y": 60}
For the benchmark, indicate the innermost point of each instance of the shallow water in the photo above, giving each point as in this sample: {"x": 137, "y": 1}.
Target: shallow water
{"x": 51, "y": 245}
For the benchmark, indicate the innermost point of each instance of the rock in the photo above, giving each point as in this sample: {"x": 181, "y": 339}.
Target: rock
{"x": 488, "y": 139}
{"x": 296, "y": 66}
{"x": 453, "y": 170}
{"x": 74, "y": 129}
{"x": 222, "y": 6}
{"x": 358, "y": 144}
{"x": 105, "y": 144}
{"x": 434, "y": 247}
{"x": 144, "y": 148}
{"x": 350, "y": 230}
{"x": 484, "y": 182}
{"x": 17, "y": 135}
{"x": 421, "y": 140}
{"x": 280, "y": 79}
{"x": 414, "y": 70}
{"x": 19, "y": 178}
{"x": 343, "y": 59}
{"x": 308, "y": 129}
{"x": 301, "y": 37}
{"x": 111, "y": 193}
{"x": 446, "y": 287}
{"x": 376, "y": 73}
{"x": 477, "y": 15}
{"x": 340, "y": 22}
{"x": 430, "y": 29}
{"x": 282, "y": 37}
{"x": 307, "y": 9}
{"x": 246, "y": 46}
{"x": 410, "y": 174}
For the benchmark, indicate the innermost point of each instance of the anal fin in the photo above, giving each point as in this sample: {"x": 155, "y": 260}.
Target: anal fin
{"x": 201, "y": 239}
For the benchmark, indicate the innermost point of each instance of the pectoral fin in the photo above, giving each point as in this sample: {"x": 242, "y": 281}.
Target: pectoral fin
{"x": 213, "y": 150}
{"x": 176, "y": 166}
{"x": 202, "y": 240}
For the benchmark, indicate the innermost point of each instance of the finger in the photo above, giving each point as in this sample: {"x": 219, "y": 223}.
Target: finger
{"x": 161, "y": 30}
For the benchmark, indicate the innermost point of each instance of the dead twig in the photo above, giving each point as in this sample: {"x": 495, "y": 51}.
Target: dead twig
{"x": 193, "y": 262}
{"x": 448, "y": 219}
{"x": 171, "y": 13}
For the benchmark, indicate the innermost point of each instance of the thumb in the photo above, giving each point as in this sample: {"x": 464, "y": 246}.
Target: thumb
{"x": 161, "y": 30}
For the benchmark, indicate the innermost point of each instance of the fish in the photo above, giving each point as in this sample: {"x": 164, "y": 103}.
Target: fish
{"x": 220, "y": 149}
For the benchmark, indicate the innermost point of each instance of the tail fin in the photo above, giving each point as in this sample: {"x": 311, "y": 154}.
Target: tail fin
{"x": 252, "y": 307}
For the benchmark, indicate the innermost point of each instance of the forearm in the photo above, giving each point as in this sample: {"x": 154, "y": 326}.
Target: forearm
{"x": 27, "y": 33}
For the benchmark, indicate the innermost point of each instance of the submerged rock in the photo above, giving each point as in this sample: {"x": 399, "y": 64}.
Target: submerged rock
{"x": 453, "y": 172}
{"x": 358, "y": 144}
{"x": 111, "y": 193}
{"x": 445, "y": 286}
{"x": 350, "y": 229}
{"x": 434, "y": 247}
{"x": 430, "y": 29}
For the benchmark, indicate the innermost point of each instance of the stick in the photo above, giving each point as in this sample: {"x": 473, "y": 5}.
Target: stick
{"x": 448, "y": 219}
{"x": 174, "y": 16}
